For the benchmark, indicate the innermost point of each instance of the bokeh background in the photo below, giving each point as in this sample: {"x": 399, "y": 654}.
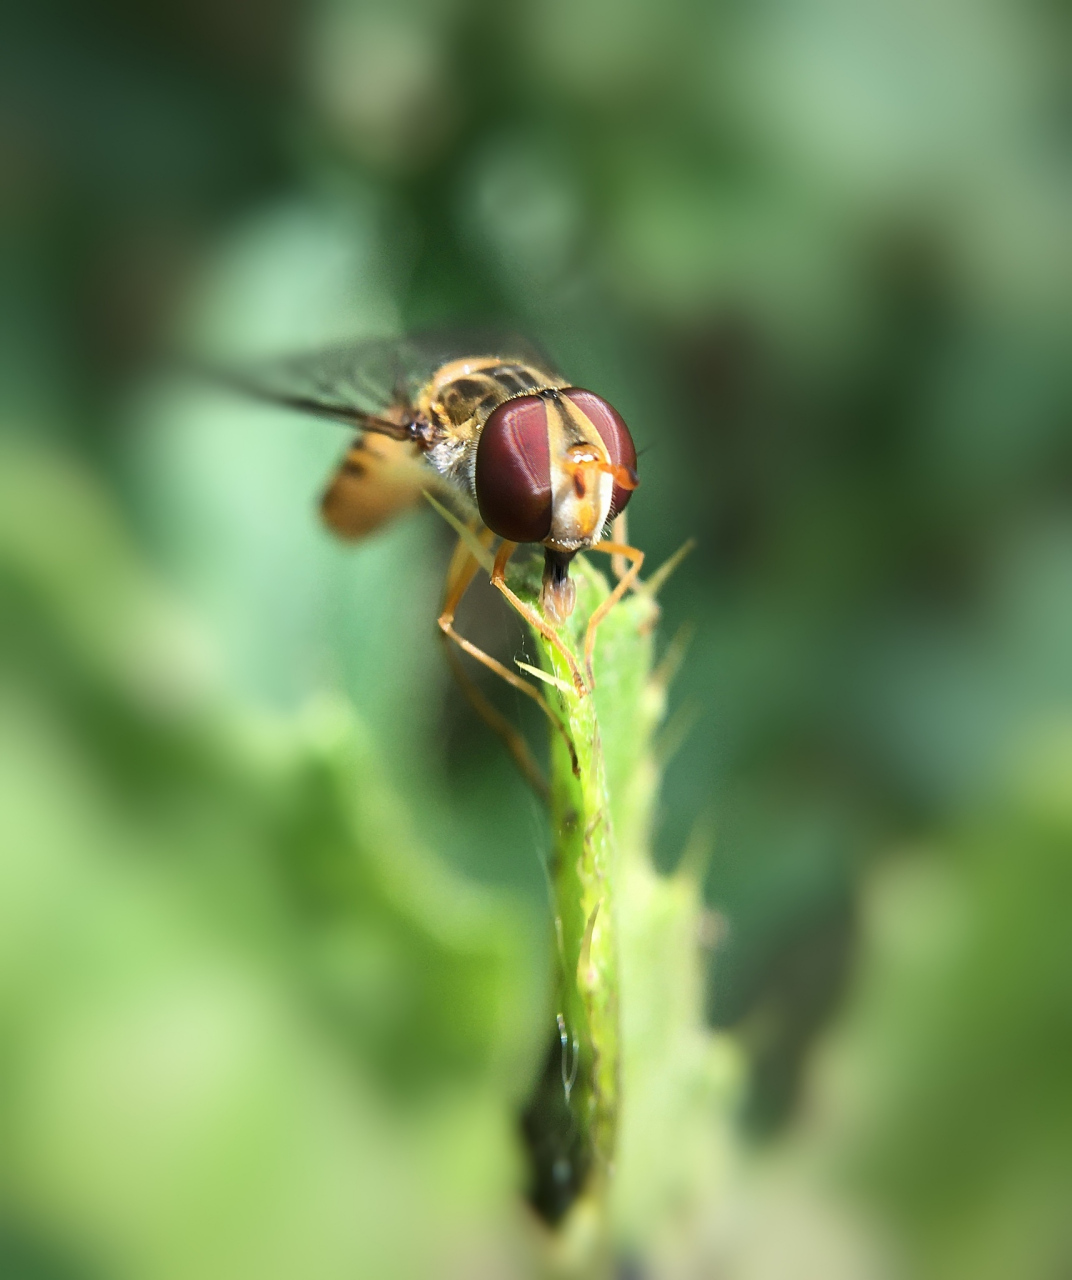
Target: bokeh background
{"x": 818, "y": 254}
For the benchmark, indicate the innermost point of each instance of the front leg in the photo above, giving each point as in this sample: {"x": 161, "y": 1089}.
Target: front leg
{"x": 549, "y": 633}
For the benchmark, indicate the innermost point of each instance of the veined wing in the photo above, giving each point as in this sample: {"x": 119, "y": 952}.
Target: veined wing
{"x": 371, "y": 385}
{"x": 358, "y": 384}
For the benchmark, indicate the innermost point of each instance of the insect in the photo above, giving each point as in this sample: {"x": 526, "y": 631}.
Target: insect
{"x": 525, "y": 455}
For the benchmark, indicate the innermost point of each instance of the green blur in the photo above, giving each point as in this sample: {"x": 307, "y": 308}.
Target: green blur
{"x": 274, "y": 970}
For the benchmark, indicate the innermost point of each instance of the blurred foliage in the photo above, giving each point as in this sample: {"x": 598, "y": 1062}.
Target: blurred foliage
{"x": 817, "y": 253}
{"x": 946, "y": 1093}
{"x": 247, "y": 1025}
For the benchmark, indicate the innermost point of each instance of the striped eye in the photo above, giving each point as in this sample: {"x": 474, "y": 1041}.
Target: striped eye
{"x": 615, "y": 435}
{"x": 513, "y": 471}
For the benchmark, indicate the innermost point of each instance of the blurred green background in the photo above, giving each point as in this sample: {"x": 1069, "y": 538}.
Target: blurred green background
{"x": 818, "y": 255}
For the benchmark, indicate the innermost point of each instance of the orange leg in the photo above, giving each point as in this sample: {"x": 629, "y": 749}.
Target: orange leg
{"x": 619, "y": 531}
{"x": 463, "y": 567}
{"x": 498, "y": 579}
{"x": 636, "y": 559}
{"x": 498, "y": 724}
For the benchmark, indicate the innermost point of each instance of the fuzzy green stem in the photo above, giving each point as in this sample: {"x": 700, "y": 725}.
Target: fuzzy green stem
{"x": 583, "y": 871}
{"x": 582, "y": 878}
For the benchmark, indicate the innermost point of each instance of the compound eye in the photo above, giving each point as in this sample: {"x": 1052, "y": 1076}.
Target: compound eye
{"x": 513, "y": 471}
{"x": 615, "y": 435}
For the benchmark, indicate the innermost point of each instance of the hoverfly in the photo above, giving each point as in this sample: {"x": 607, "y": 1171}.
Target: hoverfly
{"x": 528, "y": 457}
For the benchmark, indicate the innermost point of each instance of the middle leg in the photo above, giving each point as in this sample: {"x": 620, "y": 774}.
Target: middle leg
{"x": 460, "y": 575}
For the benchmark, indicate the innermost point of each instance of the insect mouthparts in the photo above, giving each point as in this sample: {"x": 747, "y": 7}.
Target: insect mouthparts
{"x": 558, "y": 593}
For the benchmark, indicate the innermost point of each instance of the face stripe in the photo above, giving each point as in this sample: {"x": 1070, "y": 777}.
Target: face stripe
{"x": 581, "y": 489}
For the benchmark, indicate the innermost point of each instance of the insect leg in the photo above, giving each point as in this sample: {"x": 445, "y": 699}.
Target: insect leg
{"x": 619, "y": 531}
{"x": 636, "y": 559}
{"x": 499, "y": 725}
{"x": 498, "y": 579}
{"x": 462, "y": 569}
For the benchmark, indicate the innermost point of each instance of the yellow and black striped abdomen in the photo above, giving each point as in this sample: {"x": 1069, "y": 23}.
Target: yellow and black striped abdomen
{"x": 377, "y": 479}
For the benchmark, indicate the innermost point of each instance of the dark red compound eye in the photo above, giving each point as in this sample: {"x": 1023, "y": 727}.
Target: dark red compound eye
{"x": 513, "y": 471}
{"x": 615, "y": 435}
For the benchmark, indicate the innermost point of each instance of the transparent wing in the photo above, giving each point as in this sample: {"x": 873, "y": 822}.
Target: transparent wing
{"x": 371, "y": 384}
{"x": 356, "y": 384}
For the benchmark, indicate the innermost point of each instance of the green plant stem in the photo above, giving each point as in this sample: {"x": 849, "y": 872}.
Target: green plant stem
{"x": 582, "y": 879}
{"x": 583, "y": 863}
